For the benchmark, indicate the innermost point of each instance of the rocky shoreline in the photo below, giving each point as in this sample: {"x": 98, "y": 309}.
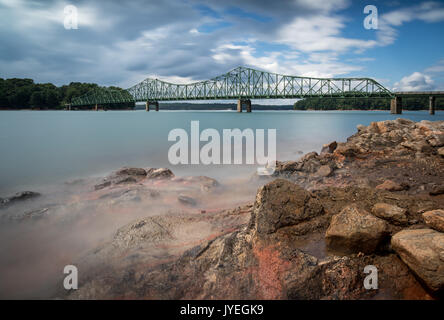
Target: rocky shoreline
{"x": 376, "y": 199}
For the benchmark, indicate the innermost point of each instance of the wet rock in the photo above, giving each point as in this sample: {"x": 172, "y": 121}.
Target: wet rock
{"x": 159, "y": 173}
{"x": 187, "y": 200}
{"x": 329, "y": 147}
{"x": 102, "y": 185}
{"x": 131, "y": 172}
{"x": 423, "y": 251}
{"x": 19, "y": 196}
{"x": 206, "y": 183}
{"x": 281, "y": 203}
{"x": 355, "y": 230}
{"x": 434, "y": 219}
{"x": 390, "y": 185}
{"x": 391, "y": 213}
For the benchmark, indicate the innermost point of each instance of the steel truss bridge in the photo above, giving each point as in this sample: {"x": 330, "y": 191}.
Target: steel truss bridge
{"x": 240, "y": 83}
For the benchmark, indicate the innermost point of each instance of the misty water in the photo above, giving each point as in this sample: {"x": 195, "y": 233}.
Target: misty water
{"x": 43, "y": 148}
{"x": 61, "y": 155}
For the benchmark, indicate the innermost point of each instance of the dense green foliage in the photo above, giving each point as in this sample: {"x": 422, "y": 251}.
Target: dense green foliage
{"x": 364, "y": 104}
{"x": 24, "y": 94}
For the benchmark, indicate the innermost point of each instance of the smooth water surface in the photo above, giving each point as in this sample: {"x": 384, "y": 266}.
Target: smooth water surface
{"x": 49, "y": 147}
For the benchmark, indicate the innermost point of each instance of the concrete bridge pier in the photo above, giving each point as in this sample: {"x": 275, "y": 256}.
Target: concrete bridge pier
{"x": 241, "y": 103}
{"x": 432, "y": 102}
{"x": 396, "y": 105}
{"x": 154, "y": 103}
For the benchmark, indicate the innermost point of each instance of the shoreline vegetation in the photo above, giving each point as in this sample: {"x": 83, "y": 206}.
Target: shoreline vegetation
{"x": 24, "y": 94}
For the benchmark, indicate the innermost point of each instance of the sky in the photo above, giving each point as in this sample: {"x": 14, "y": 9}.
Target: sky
{"x": 123, "y": 42}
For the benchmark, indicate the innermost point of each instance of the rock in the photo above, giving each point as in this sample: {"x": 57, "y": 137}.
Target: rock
{"x": 434, "y": 219}
{"x": 436, "y": 140}
{"x": 329, "y": 147}
{"x": 420, "y": 146}
{"x": 159, "y": 173}
{"x": 281, "y": 203}
{"x": 390, "y": 185}
{"x": 131, "y": 172}
{"x": 124, "y": 175}
{"x": 355, "y": 230}
{"x": 391, "y": 213}
{"x": 19, "y": 196}
{"x": 187, "y": 200}
{"x": 423, "y": 251}
{"x": 347, "y": 150}
{"x": 206, "y": 183}
{"x": 324, "y": 171}
{"x": 102, "y": 185}
{"x": 151, "y": 229}
{"x": 437, "y": 190}
{"x": 441, "y": 151}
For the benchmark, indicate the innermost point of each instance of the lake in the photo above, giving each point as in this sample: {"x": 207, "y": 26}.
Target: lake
{"x": 50, "y": 147}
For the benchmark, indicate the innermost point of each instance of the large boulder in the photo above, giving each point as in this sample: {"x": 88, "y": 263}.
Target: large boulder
{"x": 355, "y": 230}
{"x": 423, "y": 251}
{"x": 282, "y": 203}
{"x": 434, "y": 219}
{"x": 391, "y": 213}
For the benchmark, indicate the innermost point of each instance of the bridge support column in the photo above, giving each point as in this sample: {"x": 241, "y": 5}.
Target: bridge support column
{"x": 432, "y": 102}
{"x": 241, "y": 103}
{"x": 154, "y": 103}
{"x": 396, "y": 105}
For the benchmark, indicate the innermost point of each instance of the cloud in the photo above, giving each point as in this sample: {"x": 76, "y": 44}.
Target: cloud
{"x": 417, "y": 81}
{"x": 437, "y": 68}
{"x": 122, "y": 44}
{"x": 426, "y": 12}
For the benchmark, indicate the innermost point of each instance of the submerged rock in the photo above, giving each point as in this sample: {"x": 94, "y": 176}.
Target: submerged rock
{"x": 19, "y": 196}
{"x": 423, "y": 251}
{"x": 187, "y": 200}
{"x": 355, "y": 230}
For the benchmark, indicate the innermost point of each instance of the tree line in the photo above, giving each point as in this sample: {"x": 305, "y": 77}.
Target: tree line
{"x": 414, "y": 103}
{"x": 25, "y": 94}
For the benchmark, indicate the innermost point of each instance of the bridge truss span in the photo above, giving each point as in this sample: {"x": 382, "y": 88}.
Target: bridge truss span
{"x": 241, "y": 83}
{"x": 247, "y": 83}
